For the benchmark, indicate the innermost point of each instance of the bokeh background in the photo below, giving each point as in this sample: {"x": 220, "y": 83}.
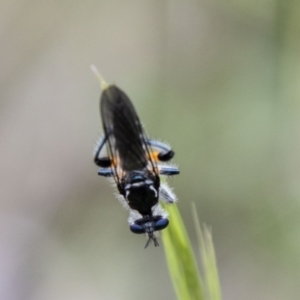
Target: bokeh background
{"x": 218, "y": 80}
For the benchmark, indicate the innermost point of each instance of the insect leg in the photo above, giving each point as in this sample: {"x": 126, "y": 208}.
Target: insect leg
{"x": 106, "y": 172}
{"x": 166, "y": 152}
{"x": 168, "y": 170}
{"x": 166, "y": 194}
{"x": 103, "y": 162}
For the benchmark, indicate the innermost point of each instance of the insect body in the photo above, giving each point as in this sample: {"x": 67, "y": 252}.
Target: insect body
{"x": 135, "y": 163}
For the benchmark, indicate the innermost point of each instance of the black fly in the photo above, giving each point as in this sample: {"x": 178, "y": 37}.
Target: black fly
{"x": 134, "y": 162}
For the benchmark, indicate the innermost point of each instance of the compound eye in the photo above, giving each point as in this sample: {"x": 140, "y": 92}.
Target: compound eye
{"x": 161, "y": 224}
{"x": 136, "y": 228}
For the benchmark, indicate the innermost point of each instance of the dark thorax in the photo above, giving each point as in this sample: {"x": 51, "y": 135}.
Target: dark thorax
{"x": 140, "y": 190}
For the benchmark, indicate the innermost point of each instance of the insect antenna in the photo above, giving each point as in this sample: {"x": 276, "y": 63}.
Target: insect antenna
{"x": 152, "y": 237}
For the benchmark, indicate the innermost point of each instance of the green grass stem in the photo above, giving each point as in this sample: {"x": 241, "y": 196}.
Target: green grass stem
{"x": 187, "y": 280}
{"x": 208, "y": 259}
{"x": 180, "y": 258}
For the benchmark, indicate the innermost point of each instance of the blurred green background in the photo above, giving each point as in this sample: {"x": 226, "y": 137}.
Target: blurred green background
{"x": 218, "y": 80}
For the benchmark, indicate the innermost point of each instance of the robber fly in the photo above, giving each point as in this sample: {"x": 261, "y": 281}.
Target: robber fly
{"x": 135, "y": 162}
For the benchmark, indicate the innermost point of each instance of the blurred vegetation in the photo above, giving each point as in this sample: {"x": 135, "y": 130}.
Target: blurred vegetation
{"x": 218, "y": 80}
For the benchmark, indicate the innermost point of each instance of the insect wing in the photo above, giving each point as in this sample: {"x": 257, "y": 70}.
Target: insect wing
{"x": 125, "y": 135}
